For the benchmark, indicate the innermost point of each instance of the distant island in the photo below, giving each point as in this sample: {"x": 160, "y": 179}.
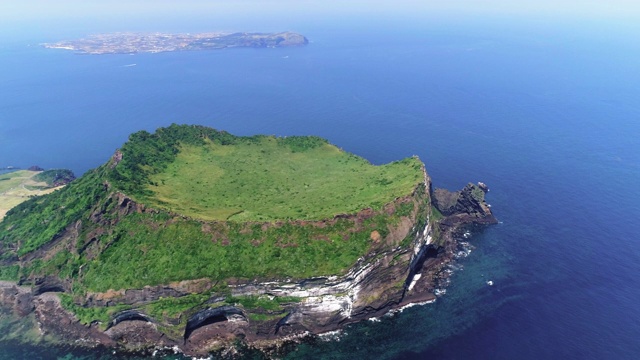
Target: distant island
{"x": 131, "y": 42}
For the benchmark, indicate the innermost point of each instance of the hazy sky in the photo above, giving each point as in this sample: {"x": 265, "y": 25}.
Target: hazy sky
{"x": 54, "y": 18}
{"x": 31, "y": 9}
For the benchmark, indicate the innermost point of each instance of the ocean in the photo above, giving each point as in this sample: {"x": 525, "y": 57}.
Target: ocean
{"x": 546, "y": 113}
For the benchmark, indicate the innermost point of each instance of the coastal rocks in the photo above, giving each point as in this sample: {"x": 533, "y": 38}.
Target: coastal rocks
{"x": 52, "y": 320}
{"x": 460, "y": 209}
{"x": 211, "y": 316}
{"x": 138, "y": 334}
{"x": 18, "y": 298}
{"x": 393, "y": 274}
{"x": 56, "y": 321}
{"x": 468, "y": 202}
{"x": 129, "y": 315}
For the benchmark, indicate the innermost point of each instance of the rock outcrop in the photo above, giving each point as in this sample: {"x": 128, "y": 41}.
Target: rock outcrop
{"x": 466, "y": 206}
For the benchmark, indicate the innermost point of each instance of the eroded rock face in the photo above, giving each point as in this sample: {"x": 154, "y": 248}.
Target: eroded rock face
{"x": 49, "y": 284}
{"x": 133, "y": 296}
{"x": 17, "y": 298}
{"x": 56, "y": 321}
{"x": 386, "y": 278}
{"x": 138, "y": 334}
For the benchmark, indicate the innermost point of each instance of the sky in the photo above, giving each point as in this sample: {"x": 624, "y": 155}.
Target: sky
{"x": 22, "y": 10}
{"x": 49, "y": 20}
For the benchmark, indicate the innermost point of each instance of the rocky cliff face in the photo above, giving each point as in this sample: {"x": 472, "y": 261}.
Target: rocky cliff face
{"x": 394, "y": 273}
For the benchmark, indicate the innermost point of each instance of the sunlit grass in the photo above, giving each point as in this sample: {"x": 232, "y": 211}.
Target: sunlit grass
{"x": 268, "y": 181}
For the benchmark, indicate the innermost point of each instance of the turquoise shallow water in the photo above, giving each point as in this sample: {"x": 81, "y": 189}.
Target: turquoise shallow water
{"x": 548, "y": 116}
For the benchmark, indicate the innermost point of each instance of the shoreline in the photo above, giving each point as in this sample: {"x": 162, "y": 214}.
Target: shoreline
{"x": 47, "y": 308}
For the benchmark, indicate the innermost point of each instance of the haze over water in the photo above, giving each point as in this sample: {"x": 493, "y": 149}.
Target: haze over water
{"x": 545, "y": 110}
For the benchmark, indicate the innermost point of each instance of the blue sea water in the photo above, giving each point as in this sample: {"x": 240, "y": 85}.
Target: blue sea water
{"x": 548, "y": 115}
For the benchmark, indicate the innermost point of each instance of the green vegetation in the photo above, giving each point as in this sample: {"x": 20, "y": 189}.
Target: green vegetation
{"x": 87, "y": 315}
{"x": 436, "y": 215}
{"x": 221, "y": 177}
{"x": 55, "y": 177}
{"x": 63, "y": 264}
{"x": 476, "y": 192}
{"x": 171, "y": 307}
{"x": 146, "y": 154}
{"x": 37, "y": 221}
{"x": 10, "y": 273}
{"x": 149, "y": 249}
{"x": 265, "y": 181}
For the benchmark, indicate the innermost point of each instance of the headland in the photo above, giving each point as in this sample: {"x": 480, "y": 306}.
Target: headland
{"x": 196, "y": 239}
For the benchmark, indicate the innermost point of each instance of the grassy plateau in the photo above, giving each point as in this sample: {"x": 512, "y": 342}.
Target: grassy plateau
{"x": 267, "y": 180}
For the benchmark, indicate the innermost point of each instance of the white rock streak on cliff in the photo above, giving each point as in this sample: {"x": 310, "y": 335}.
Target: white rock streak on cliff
{"x": 334, "y": 294}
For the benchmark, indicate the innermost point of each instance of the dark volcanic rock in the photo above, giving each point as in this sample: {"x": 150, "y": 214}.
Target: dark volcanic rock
{"x": 138, "y": 334}
{"x": 49, "y": 284}
{"x": 18, "y": 298}
{"x": 130, "y": 315}
{"x": 468, "y": 201}
{"x": 211, "y": 316}
{"x": 64, "y": 326}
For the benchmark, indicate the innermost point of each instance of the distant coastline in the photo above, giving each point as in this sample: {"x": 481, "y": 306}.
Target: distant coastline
{"x": 131, "y": 43}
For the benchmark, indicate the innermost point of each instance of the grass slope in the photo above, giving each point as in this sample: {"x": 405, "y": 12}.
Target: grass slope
{"x": 150, "y": 250}
{"x": 35, "y": 222}
{"x": 267, "y": 180}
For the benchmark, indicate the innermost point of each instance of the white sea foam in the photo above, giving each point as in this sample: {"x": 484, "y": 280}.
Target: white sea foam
{"x": 331, "y": 335}
{"x": 410, "y": 305}
{"x": 439, "y": 292}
